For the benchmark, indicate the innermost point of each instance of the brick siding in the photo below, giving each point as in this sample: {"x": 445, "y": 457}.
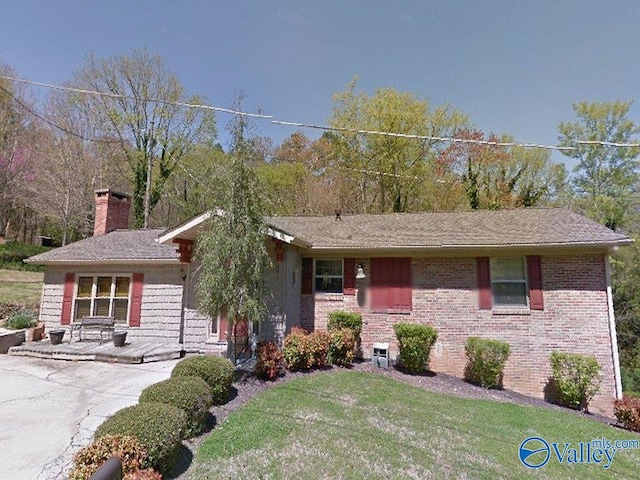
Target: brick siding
{"x": 575, "y": 319}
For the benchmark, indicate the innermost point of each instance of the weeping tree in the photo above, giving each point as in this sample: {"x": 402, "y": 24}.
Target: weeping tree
{"x": 232, "y": 248}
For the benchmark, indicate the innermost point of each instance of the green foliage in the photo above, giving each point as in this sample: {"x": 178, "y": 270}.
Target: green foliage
{"x": 12, "y": 255}
{"x": 296, "y": 350}
{"x": 577, "y": 378}
{"x": 415, "y": 343}
{"x": 157, "y": 426}
{"x": 127, "y": 448}
{"x": 232, "y": 248}
{"x": 341, "y": 345}
{"x": 268, "y": 360}
{"x": 318, "y": 343}
{"x": 216, "y": 371}
{"x": 627, "y": 411}
{"x": 341, "y": 319}
{"x": 21, "y": 319}
{"x": 485, "y": 361}
{"x": 190, "y": 394}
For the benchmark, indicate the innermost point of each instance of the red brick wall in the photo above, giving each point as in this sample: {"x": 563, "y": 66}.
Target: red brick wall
{"x": 112, "y": 212}
{"x": 574, "y": 319}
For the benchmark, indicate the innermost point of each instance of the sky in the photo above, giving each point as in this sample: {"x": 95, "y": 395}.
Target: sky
{"x": 513, "y": 66}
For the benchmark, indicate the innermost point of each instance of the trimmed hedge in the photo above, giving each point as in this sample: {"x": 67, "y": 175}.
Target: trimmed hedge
{"x": 296, "y": 350}
{"x": 216, "y": 371}
{"x": 157, "y": 426}
{"x": 341, "y": 319}
{"x": 319, "y": 344}
{"x": 415, "y": 343}
{"x": 190, "y": 394}
{"x": 127, "y": 448}
{"x": 486, "y": 359}
{"x": 577, "y": 378}
{"x": 341, "y": 344}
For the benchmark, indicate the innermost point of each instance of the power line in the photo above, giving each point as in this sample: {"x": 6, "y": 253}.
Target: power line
{"x": 132, "y": 97}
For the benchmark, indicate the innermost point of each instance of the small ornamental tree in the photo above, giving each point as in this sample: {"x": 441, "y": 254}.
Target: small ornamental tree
{"x": 232, "y": 248}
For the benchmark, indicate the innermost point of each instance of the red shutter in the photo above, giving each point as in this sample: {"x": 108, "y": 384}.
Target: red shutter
{"x": 484, "y": 283}
{"x": 349, "y": 277}
{"x": 135, "y": 308}
{"x": 379, "y": 297}
{"x": 307, "y": 276}
{"x": 391, "y": 283}
{"x": 534, "y": 270}
{"x": 67, "y": 298}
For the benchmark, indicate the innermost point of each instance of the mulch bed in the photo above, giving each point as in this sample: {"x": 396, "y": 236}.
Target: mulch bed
{"x": 248, "y": 386}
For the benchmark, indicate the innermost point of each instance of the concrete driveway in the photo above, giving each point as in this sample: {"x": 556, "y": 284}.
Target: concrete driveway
{"x": 50, "y": 408}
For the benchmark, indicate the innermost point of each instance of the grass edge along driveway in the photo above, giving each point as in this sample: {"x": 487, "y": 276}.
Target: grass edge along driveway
{"x": 350, "y": 424}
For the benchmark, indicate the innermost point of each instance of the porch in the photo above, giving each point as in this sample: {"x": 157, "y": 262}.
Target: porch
{"x": 93, "y": 351}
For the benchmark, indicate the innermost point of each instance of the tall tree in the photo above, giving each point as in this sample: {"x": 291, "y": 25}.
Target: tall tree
{"x": 388, "y": 172}
{"x": 145, "y": 119}
{"x": 232, "y": 249}
{"x": 605, "y": 175}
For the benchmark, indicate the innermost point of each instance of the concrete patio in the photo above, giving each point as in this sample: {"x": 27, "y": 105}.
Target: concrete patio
{"x": 88, "y": 350}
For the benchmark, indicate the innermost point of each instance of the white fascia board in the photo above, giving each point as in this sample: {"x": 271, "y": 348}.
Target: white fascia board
{"x": 169, "y": 235}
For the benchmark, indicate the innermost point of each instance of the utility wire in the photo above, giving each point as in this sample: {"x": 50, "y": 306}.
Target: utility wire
{"x": 132, "y": 97}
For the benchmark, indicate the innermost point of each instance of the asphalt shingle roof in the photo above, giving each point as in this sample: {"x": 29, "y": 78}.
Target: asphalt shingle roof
{"x": 119, "y": 245}
{"x": 483, "y": 228}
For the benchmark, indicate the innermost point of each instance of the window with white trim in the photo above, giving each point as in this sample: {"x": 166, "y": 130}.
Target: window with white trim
{"x": 328, "y": 276}
{"x": 103, "y": 295}
{"x": 509, "y": 282}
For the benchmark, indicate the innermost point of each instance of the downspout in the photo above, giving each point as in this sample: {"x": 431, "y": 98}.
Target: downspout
{"x": 186, "y": 288}
{"x": 612, "y": 331}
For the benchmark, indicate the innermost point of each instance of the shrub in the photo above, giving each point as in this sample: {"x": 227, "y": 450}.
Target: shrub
{"x": 318, "y": 344}
{"x": 415, "y": 343}
{"x": 341, "y": 344}
{"x": 12, "y": 255}
{"x": 486, "y": 359}
{"x": 146, "y": 474}
{"x": 577, "y": 378}
{"x": 268, "y": 360}
{"x": 216, "y": 371}
{"x": 126, "y": 447}
{"x": 22, "y": 319}
{"x": 627, "y": 411}
{"x": 296, "y": 350}
{"x": 341, "y": 319}
{"x": 190, "y": 394}
{"x": 157, "y": 426}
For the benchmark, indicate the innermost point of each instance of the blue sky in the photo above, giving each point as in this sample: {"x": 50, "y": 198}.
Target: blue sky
{"x": 514, "y": 66}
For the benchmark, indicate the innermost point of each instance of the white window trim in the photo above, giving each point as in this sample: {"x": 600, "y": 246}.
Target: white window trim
{"x": 94, "y": 291}
{"x": 525, "y": 281}
{"x": 341, "y": 276}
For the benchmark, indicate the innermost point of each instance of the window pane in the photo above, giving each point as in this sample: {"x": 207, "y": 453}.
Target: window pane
{"x": 507, "y": 269}
{"x": 101, "y": 307}
{"x": 84, "y": 287}
{"x": 83, "y": 309}
{"x": 120, "y": 309}
{"x": 329, "y": 267}
{"x": 510, "y": 293}
{"x": 122, "y": 287}
{"x": 104, "y": 287}
{"x": 329, "y": 284}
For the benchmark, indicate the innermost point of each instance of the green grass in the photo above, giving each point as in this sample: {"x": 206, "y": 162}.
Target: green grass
{"x": 356, "y": 425}
{"x": 20, "y": 287}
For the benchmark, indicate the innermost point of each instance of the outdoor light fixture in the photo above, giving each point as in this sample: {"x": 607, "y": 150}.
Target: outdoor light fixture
{"x": 360, "y": 274}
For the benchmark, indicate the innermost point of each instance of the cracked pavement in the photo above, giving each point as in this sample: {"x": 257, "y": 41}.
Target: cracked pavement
{"x": 50, "y": 408}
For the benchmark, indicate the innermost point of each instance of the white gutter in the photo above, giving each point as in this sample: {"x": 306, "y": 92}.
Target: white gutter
{"x": 612, "y": 332}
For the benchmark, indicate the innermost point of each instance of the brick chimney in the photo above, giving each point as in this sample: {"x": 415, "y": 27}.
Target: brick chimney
{"x": 112, "y": 211}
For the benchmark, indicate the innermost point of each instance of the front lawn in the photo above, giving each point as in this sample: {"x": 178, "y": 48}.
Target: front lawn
{"x": 349, "y": 424}
{"x": 19, "y": 287}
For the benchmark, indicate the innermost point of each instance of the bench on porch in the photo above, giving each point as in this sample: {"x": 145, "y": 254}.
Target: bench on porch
{"x": 101, "y": 323}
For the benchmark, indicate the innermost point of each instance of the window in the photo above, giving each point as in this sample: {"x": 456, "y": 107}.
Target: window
{"x": 509, "y": 282}
{"x": 391, "y": 284}
{"x": 328, "y": 276}
{"x": 104, "y": 296}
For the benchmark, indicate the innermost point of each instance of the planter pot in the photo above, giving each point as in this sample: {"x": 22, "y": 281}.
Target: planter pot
{"x": 119, "y": 339}
{"x": 56, "y": 336}
{"x": 34, "y": 334}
